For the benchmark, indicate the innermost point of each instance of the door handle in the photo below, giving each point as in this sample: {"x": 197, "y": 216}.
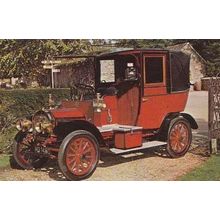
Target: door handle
{"x": 145, "y": 99}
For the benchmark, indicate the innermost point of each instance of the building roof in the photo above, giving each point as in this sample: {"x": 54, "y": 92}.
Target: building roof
{"x": 182, "y": 45}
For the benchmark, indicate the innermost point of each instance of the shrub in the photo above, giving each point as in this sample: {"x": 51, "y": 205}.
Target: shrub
{"x": 25, "y": 102}
{"x": 16, "y": 104}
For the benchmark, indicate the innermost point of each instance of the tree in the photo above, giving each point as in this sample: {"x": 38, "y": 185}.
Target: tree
{"x": 143, "y": 43}
{"x": 23, "y": 57}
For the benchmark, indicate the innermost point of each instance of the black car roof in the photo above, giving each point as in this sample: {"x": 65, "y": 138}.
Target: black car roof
{"x": 113, "y": 51}
{"x": 137, "y": 50}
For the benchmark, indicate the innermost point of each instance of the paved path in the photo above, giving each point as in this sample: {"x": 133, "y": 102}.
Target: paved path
{"x": 197, "y": 106}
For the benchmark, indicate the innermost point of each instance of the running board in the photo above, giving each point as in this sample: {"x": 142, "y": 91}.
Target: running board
{"x": 145, "y": 145}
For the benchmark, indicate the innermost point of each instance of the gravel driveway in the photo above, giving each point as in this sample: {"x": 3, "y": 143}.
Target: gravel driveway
{"x": 144, "y": 165}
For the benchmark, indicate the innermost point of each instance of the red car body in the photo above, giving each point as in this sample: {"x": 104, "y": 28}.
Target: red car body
{"x": 139, "y": 97}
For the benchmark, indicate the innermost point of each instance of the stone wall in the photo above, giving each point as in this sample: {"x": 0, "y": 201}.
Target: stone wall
{"x": 206, "y": 82}
{"x": 197, "y": 66}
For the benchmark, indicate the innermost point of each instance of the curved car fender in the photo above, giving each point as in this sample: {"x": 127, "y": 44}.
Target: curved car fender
{"x": 68, "y": 127}
{"x": 191, "y": 120}
{"x": 19, "y": 136}
{"x": 166, "y": 122}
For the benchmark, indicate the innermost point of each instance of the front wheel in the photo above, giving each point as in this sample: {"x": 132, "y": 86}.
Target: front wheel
{"x": 24, "y": 155}
{"x": 179, "y": 137}
{"x": 78, "y": 155}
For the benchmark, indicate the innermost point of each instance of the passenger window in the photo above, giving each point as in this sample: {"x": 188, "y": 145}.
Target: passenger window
{"x": 107, "y": 70}
{"x": 154, "y": 70}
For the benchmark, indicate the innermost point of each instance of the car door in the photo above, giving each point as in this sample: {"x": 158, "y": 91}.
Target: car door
{"x": 153, "y": 103}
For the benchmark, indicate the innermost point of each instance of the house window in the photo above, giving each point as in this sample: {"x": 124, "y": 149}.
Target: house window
{"x": 154, "y": 70}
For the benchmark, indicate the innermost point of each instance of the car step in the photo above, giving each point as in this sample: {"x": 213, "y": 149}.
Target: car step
{"x": 145, "y": 145}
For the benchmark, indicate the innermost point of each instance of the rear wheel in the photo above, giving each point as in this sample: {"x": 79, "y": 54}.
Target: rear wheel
{"x": 79, "y": 155}
{"x": 24, "y": 155}
{"x": 179, "y": 137}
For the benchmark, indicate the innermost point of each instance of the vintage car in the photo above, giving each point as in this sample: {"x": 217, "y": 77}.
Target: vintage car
{"x": 137, "y": 103}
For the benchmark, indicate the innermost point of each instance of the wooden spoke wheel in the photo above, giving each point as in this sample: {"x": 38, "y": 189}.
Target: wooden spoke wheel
{"x": 179, "y": 137}
{"x": 79, "y": 155}
{"x": 24, "y": 155}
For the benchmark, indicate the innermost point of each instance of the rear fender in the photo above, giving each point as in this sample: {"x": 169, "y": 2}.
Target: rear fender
{"x": 163, "y": 131}
{"x": 191, "y": 120}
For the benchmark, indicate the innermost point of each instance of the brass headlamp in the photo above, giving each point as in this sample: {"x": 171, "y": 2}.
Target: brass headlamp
{"x": 43, "y": 122}
{"x": 24, "y": 125}
{"x": 44, "y": 127}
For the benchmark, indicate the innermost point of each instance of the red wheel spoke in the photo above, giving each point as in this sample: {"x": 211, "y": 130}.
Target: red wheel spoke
{"x": 72, "y": 164}
{"x": 72, "y": 150}
{"x": 80, "y": 161}
{"x": 176, "y": 145}
{"x": 81, "y": 142}
{"x": 71, "y": 155}
{"x": 71, "y": 160}
{"x": 84, "y": 147}
{"x": 87, "y": 151}
{"x": 179, "y": 137}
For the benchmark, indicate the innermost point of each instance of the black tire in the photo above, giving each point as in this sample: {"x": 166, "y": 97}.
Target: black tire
{"x": 13, "y": 163}
{"x": 176, "y": 138}
{"x": 65, "y": 148}
{"x": 34, "y": 163}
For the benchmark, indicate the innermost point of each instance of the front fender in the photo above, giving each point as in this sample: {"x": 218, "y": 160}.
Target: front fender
{"x": 64, "y": 128}
{"x": 19, "y": 136}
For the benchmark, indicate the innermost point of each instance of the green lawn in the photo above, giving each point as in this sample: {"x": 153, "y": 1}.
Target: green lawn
{"x": 209, "y": 171}
{"x": 4, "y": 160}
{"x": 6, "y": 139}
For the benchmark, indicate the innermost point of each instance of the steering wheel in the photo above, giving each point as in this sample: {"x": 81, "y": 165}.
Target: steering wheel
{"x": 79, "y": 90}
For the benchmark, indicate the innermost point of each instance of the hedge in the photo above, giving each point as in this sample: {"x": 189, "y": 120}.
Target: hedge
{"x": 18, "y": 103}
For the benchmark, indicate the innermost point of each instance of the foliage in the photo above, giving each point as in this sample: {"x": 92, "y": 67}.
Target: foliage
{"x": 140, "y": 43}
{"x": 25, "y": 102}
{"x": 16, "y": 104}
{"x": 24, "y": 57}
{"x": 209, "y": 171}
{"x": 7, "y": 139}
{"x": 4, "y": 161}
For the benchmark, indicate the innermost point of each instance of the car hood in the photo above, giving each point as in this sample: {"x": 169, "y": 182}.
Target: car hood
{"x": 72, "y": 110}
{"x": 67, "y": 113}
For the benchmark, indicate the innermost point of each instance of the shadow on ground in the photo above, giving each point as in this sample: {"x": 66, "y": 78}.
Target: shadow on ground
{"x": 109, "y": 159}
{"x": 199, "y": 147}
